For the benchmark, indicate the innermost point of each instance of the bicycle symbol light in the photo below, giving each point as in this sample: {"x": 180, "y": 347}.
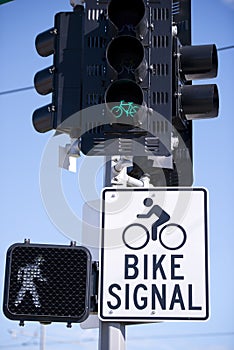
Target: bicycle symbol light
{"x": 129, "y": 108}
{"x": 163, "y": 217}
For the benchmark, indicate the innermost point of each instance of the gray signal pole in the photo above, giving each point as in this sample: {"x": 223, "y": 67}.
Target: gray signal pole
{"x": 111, "y": 335}
{"x": 42, "y": 337}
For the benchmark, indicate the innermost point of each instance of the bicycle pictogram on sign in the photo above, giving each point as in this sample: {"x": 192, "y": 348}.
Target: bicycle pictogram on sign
{"x": 170, "y": 229}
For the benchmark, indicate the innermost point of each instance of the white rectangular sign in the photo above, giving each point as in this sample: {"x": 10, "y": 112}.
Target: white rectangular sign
{"x": 154, "y": 255}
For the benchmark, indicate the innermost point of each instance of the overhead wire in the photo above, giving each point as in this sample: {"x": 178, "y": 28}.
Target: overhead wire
{"x": 7, "y": 92}
{"x": 226, "y": 48}
{"x": 16, "y": 90}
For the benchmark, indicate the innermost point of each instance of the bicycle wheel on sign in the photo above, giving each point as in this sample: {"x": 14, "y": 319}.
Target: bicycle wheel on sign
{"x": 172, "y": 236}
{"x": 135, "y": 236}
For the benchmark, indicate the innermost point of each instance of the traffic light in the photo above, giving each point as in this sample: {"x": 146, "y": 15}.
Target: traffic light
{"x": 122, "y": 82}
{"x": 126, "y": 54}
{"x": 189, "y": 101}
{"x": 47, "y": 283}
{"x": 196, "y": 63}
{"x": 128, "y": 57}
{"x": 63, "y": 77}
{"x": 111, "y": 77}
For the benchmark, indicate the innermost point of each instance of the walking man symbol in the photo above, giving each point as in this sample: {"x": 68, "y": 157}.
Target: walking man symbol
{"x": 26, "y": 276}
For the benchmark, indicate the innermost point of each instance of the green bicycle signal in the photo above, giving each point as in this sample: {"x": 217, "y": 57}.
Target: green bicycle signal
{"x": 129, "y": 108}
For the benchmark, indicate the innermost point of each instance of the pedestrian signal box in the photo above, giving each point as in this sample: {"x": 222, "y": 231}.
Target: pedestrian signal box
{"x": 47, "y": 283}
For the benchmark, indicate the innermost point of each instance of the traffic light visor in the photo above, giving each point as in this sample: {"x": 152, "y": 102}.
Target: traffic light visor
{"x": 198, "y": 62}
{"x": 43, "y": 81}
{"x": 45, "y": 43}
{"x": 43, "y": 118}
{"x": 127, "y": 15}
{"x": 200, "y": 101}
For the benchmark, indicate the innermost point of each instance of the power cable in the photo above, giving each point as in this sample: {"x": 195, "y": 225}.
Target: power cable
{"x": 32, "y": 87}
{"x": 226, "y": 48}
{"x": 16, "y": 90}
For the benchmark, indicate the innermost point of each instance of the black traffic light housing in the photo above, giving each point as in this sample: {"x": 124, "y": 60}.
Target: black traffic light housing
{"x": 125, "y": 53}
{"x": 196, "y": 63}
{"x": 63, "y": 78}
{"x": 47, "y": 283}
{"x": 189, "y": 102}
{"x": 113, "y": 68}
{"x": 133, "y": 60}
{"x": 130, "y": 89}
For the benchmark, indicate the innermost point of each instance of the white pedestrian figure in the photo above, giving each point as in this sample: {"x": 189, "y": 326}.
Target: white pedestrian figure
{"x": 27, "y": 275}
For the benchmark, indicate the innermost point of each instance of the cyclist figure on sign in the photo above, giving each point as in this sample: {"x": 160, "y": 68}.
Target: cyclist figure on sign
{"x": 159, "y": 212}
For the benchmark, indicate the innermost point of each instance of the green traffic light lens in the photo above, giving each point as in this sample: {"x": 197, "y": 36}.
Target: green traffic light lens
{"x": 128, "y": 109}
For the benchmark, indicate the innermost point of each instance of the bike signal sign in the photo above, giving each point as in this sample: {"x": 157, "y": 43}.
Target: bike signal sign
{"x": 154, "y": 255}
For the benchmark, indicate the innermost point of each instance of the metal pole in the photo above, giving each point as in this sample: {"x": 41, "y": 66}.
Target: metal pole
{"x": 42, "y": 337}
{"x": 111, "y": 334}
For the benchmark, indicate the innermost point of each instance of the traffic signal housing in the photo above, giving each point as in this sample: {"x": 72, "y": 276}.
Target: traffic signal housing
{"x": 190, "y": 101}
{"x": 126, "y": 52}
{"x": 47, "y": 283}
{"x": 128, "y": 83}
{"x": 196, "y": 63}
{"x": 63, "y": 77}
{"x": 114, "y": 59}
{"x": 131, "y": 49}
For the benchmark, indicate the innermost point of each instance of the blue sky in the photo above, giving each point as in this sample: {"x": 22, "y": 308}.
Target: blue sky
{"x": 23, "y": 214}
